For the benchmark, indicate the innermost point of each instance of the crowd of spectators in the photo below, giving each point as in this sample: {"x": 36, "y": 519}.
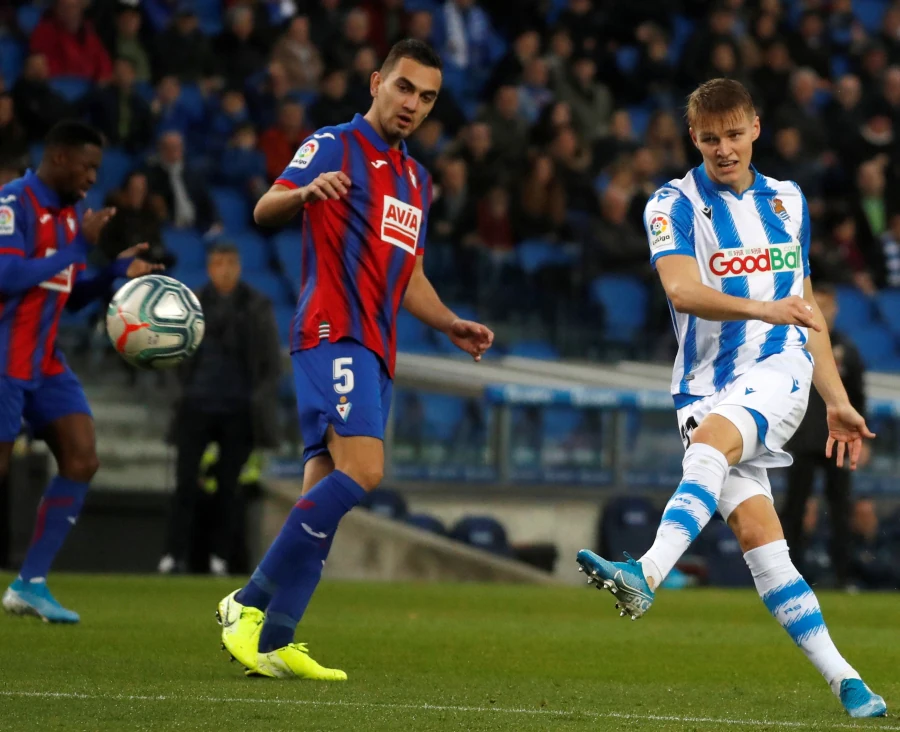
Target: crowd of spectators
{"x": 555, "y": 123}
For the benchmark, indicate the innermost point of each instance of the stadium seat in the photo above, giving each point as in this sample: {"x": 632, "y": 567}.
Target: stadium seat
{"x": 209, "y": 13}
{"x": 536, "y": 254}
{"x": 12, "y": 56}
{"x": 855, "y": 308}
{"x": 72, "y": 88}
{"x": 387, "y": 503}
{"x": 411, "y": 332}
{"x": 114, "y": 168}
{"x": 870, "y": 13}
{"x": 887, "y": 303}
{"x": 682, "y": 30}
{"x": 628, "y": 524}
{"x": 254, "y": 250}
{"x": 233, "y": 208}
{"x": 193, "y": 278}
{"x": 482, "y": 532}
{"x": 27, "y": 18}
{"x": 640, "y": 119}
{"x": 725, "y": 565}
{"x": 193, "y": 101}
{"x": 269, "y": 284}
{"x": 627, "y": 58}
{"x": 534, "y": 349}
{"x": 443, "y": 414}
{"x": 876, "y": 346}
{"x": 188, "y": 246}
{"x": 624, "y": 301}
{"x": 427, "y": 523}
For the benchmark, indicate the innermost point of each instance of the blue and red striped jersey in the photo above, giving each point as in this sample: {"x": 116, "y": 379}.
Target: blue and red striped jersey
{"x": 359, "y": 252}
{"x": 33, "y": 224}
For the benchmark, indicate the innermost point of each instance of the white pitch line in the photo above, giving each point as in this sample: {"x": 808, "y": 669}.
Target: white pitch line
{"x": 449, "y": 708}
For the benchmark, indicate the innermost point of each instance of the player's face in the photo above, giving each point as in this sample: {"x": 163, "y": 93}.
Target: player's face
{"x": 404, "y": 97}
{"x": 79, "y": 172}
{"x": 224, "y": 269}
{"x": 726, "y": 143}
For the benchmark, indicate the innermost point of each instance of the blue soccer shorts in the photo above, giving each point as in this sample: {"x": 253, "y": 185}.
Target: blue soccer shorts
{"x": 39, "y": 402}
{"x": 344, "y": 385}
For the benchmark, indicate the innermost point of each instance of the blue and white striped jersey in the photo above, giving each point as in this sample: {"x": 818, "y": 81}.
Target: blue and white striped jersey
{"x": 755, "y": 245}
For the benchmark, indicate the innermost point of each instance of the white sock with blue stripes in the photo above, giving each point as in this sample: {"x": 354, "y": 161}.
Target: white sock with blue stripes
{"x": 687, "y": 511}
{"x": 793, "y": 604}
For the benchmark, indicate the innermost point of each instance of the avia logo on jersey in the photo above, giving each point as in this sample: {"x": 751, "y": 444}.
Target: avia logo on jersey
{"x": 7, "y": 220}
{"x": 61, "y": 281}
{"x": 734, "y": 262}
{"x": 305, "y": 154}
{"x": 659, "y": 230}
{"x": 400, "y": 224}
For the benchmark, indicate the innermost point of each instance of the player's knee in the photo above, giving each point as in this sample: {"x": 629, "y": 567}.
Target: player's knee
{"x": 724, "y": 438}
{"x": 81, "y": 466}
{"x": 369, "y": 477}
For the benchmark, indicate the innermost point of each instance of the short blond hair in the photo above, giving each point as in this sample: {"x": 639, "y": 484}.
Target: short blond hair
{"x": 718, "y": 98}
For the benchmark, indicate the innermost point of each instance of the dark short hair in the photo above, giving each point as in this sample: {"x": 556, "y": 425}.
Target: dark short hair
{"x": 418, "y": 51}
{"x": 71, "y": 134}
{"x": 223, "y": 247}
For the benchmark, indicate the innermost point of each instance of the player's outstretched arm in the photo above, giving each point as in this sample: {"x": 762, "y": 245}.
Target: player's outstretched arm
{"x": 423, "y": 302}
{"x": 680, "y": 276}
{"x": 846, "y": 426}
{"x": 281, "y": 203}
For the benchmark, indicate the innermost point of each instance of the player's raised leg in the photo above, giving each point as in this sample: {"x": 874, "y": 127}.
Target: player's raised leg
{"x": 794, "y": 605}
{"x": 715, "y": 445}
{"x": 71, "y": 440}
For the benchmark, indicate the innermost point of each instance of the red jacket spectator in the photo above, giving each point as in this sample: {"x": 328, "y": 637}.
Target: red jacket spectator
{"x": 280, "y": 142}
{"x": 71, "y": 45}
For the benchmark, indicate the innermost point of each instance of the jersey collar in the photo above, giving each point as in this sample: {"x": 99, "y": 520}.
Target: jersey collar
{"x": 362, "y": 124}
{"x": 710, "y": 185}
{"x": 46, "y": 196}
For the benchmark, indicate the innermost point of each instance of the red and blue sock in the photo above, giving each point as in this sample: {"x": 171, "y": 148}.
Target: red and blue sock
{"x": 57, "y": 514}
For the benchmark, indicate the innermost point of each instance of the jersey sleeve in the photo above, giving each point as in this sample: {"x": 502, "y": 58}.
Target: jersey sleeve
{"x": 12, "y": 227}
{"x": 320, "y": 153}
{"x": 669, "y": 223}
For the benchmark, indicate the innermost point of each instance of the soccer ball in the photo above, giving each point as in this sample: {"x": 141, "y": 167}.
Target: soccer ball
{"x": 155, "y": 322}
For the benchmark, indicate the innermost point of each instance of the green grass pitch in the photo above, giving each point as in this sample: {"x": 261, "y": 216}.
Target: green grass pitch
{"x": 438, "y": 657}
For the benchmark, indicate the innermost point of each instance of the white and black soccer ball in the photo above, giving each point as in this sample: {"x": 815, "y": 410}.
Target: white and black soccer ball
{"x": 155, "y": 322}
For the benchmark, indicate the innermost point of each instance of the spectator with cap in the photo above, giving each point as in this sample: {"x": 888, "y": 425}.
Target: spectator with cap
{"x": 182, "y": 50}
{"x": 138, "y": 219}
{"x": 182, "y": 190}
{"x": 590, "y": 100}
{"x": 298, "y": 55}
{"x": 509, "y": 131}
{"x": 70, "y": 44}
{"x": 119, "y": 112}
{"x": 810, "y": 45}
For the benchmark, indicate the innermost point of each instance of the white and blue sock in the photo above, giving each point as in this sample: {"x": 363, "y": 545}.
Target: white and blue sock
{"x": 687, "y": 511}
{"x": 288, "y": 574}
{"x": 793, "y": 604}
{"x": 57, "y": 514}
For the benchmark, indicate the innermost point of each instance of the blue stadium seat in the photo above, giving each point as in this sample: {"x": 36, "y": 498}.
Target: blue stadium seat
{"x": 443, "y": 413}
{"x": 27, "y": 18}
{"x": 12, "y": 56}
{"x": 412, "y": 333}
{"x": 876, "y": 346}
{"x": 188, "y": 246}
{"x": 624, "y": 301}
{"x": 725, "y": 563}
{"x": 628, "y": 524}
{"x": 682, "y": 29}
{"x": 870, "y": 13}
{"x": 193, "y": 278}
{"x": 283, "y": 316}
{"x": 855, "y": 309}
{"x": 193, "y": 101}
{"x": 387, "y": 503}
{"x": 482, "y": 532}
{"x": 888, "y": 304}
{"x": 534, "y": 349}
{"x": 209, "y": 13}
{"x": 427, "y": 523}
{"x": 640, "y": 119}
{"x": 627, "y": 58}
{"x": 536, "y": 254}
{"x": 269, "y": 284}
{"x": 253, "y": 248}
{"x": 840, "y": 65}
{"x": 71, "y": 88}
{"x": 233, "y": 208}
{"x": 114, "y": 168}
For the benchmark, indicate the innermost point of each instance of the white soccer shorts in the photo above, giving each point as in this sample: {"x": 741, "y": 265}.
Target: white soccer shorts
{"x": 766, "y": 404}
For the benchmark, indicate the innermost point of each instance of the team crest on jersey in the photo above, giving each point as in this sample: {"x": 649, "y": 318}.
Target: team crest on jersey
{"x": 400, "y": 224}
{"x": 305, "y": 154}
{"x": 7, "y": 220}
{"x": 779, "y": 209}
{"x": 62, "y": 280}
{"x": 660, "y": 230}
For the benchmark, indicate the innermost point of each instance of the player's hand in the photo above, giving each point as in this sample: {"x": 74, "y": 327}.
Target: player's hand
{"x": 93, "y": 222}
{"x": 139, "y": 267}
{"x": 473, "y": 338}
{"x": 793, "y": 310}
{"x": 847, "y": 428}
{"x": 327, "y": 186}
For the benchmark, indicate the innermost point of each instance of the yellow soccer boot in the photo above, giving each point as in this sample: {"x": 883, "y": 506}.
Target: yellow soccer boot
{"x": 240, "y": 630}
{"x": 293, "y": 662}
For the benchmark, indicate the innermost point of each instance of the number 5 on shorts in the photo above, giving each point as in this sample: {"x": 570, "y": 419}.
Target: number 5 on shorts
{"x": 343, "y": 376}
